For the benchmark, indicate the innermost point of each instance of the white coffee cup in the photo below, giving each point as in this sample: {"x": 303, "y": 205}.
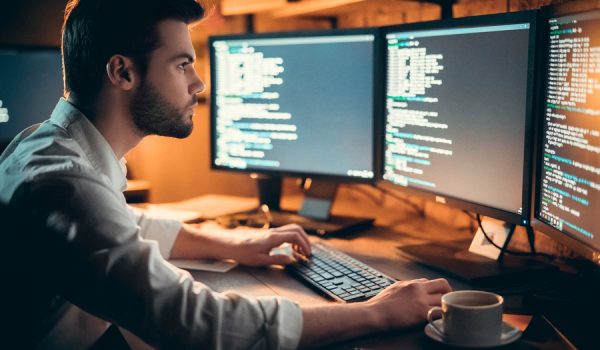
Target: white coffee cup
{"x": 469, "y": 317}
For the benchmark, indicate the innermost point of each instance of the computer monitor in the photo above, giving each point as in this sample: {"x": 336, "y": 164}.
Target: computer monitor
{"x": 31, "y": 84}
{"x": 567, "y": 197}
{"x": 458, "y": 120}
{"x": 299, "y": 104}
{"x": 458, "y": 112}
{"x": 567, "y": 175}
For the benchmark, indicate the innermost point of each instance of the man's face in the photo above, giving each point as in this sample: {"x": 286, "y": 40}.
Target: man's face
{"x": 165, "y": 99}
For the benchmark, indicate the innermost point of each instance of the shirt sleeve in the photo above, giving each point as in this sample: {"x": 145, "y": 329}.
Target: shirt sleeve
{"x": 164, "y": 231}
{"x": 106, "y": 268}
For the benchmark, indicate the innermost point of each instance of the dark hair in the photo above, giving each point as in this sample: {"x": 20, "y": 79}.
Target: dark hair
{"x": 95, "y": 30}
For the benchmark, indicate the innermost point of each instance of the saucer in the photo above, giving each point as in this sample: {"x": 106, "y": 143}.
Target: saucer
{"x": 509, "y": 335}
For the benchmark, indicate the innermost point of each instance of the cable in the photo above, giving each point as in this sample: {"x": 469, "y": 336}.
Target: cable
{"x": 470, "y": 215}
{"x": 512, "y": 252}
{"x": 502, "y": 249}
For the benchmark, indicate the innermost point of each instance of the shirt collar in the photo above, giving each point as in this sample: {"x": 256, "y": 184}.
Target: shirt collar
{"x": 95, "y": 146}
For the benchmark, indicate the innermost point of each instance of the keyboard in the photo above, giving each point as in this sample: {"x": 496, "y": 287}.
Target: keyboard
{"x": 339, "y": 276}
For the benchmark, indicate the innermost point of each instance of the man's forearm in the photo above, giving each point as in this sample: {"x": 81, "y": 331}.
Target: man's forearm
{"x": 193, "y": 244}
{"x": 330, "y": 323}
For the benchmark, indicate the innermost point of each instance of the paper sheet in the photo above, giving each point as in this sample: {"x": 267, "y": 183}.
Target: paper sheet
{"x": 205, "y": 207}
{"x": 212, "y": 264}
{"x": 204, "y": 264}
{"x": 162, "y": 212}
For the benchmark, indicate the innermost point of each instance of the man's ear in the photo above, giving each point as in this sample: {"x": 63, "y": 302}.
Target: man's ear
{"x": 121, "y": 72}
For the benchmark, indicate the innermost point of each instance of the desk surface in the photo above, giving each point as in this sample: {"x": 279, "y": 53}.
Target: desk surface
{"x": 376, "y": 247}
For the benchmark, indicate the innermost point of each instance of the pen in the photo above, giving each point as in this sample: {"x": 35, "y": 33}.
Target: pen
{"x": 300, "y": 256}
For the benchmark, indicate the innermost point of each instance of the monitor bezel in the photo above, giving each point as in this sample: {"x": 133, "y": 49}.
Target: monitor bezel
{"x": 495, "y": 19}
{"x": 377, "y": 90}
{"x": 578, "y": 245}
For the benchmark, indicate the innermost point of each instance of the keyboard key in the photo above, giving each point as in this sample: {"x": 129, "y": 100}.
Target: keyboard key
{"x": 353, "y": 298}
{"x": 327, "y": 275}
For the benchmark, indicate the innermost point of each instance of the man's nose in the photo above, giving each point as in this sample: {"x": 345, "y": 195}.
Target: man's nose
{"x": 197, "y": 86}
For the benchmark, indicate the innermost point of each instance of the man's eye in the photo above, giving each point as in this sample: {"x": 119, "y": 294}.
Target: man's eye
{"x": 182, "y": 66}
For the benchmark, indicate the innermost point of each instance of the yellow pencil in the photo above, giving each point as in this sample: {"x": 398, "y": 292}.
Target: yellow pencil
{"x": 300, "y": 257}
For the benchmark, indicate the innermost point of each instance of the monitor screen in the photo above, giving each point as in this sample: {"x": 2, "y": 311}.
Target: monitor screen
{"x": 457, "y": 112}
{"x": 568, "y": 176}
{"x": 30, "y": 85}
{"x": 295, "y": 103}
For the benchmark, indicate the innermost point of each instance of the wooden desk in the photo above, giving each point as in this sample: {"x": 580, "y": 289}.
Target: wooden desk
{"x": 137, "y": 191}
{"x": 379, "y": 252}
{"x": 376, "y": 247}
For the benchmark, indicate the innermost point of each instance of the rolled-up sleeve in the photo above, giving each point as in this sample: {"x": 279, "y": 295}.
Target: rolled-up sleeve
{"x": 121, "y": 277}
{"x": 164, "y": 231}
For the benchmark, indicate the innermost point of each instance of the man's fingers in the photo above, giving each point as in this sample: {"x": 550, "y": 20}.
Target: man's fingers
{"x": 434, "y": 299}
{"x": 279, "y": 259}
{"x": 438, "y": 286}
{"x": 418, "y": 280}
{"x": 291, "y": 236}
{"x": 299, "y": 230}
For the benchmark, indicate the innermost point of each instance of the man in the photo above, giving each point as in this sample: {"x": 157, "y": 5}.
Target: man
{"x": 129, "y": 73}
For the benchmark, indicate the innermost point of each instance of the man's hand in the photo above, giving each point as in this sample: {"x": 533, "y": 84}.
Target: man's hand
{"x": 254, "y": 247}
{"x": 406, "y": 303}
{"x": 403, "y": 304}
{"x": 250, "y": 247}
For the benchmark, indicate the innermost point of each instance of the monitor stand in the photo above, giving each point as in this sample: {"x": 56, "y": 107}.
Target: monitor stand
{"x": 454, "y": 259}
{"x": 269, "y": 190}
{"x": 314, "y": 214}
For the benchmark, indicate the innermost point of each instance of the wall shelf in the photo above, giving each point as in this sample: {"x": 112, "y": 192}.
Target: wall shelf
{"x": 280, "y": 9}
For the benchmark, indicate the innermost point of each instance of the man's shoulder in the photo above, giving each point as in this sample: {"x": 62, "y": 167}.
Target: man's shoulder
{"x": 48, "y": 152}
{"x": 48, "y": 145}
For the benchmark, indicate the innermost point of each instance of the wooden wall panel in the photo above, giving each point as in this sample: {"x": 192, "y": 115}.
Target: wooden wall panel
{"x": 520, "y": 5}
{"x": 381, "y": 13}
{"x": 466, "y": 8}
{"x": 265, "y": 23}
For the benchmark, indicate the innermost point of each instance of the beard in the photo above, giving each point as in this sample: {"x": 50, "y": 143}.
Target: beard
{"x": 154, "y": 115}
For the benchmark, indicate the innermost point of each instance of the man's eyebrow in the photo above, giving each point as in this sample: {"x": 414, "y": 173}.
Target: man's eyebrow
{"x": 189, "y": 57}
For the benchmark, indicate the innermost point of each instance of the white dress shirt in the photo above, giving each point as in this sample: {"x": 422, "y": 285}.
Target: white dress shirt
{"x": 133, "y": 286}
